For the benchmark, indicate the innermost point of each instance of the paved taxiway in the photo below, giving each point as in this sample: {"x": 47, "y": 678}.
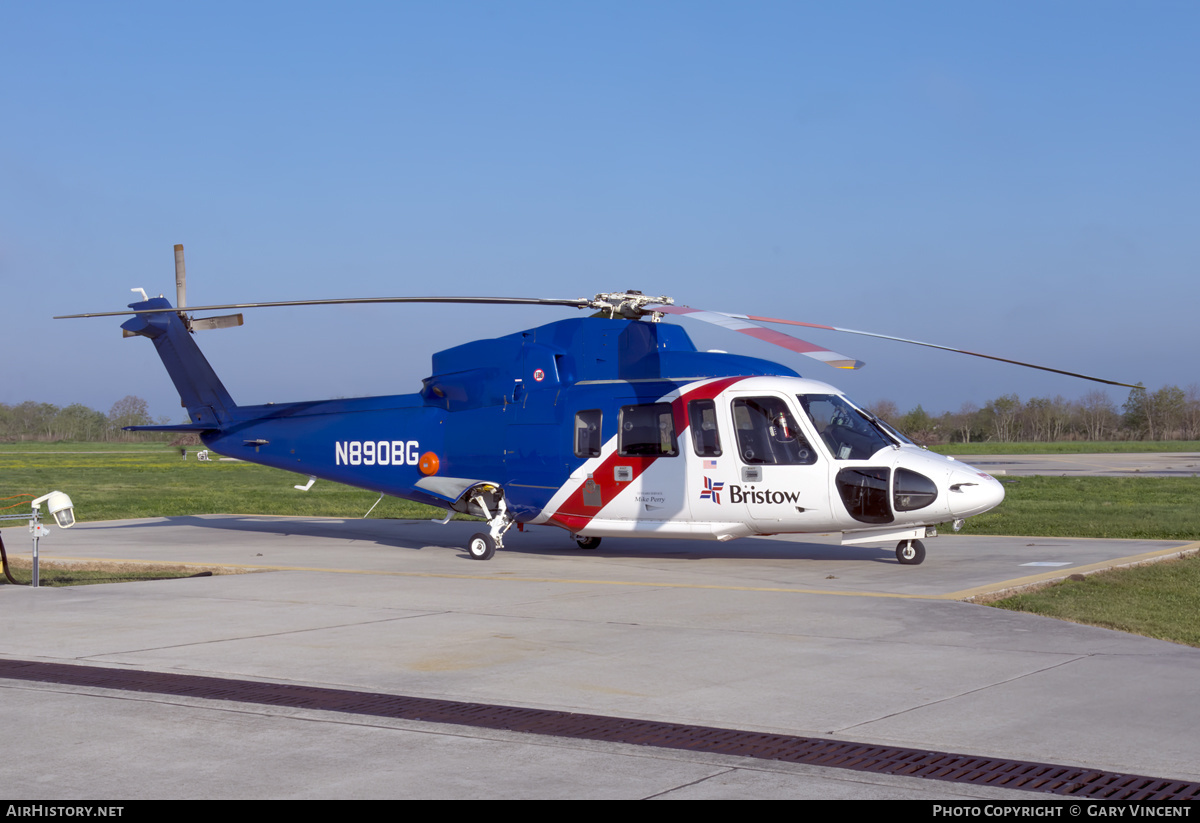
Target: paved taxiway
{"x": 1162, "y": 464}
{"x": 789, "y": 636}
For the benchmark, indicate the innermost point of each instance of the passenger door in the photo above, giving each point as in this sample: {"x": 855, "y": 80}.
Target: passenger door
{"x": 781, "y": 477}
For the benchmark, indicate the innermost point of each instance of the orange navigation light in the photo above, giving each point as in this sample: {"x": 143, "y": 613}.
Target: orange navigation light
{"x": 429, "y": 463}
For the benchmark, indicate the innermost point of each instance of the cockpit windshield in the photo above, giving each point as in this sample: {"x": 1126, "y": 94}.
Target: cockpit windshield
{"x": 851, "y": 434}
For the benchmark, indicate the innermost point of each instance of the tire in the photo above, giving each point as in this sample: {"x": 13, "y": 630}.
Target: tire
{"x": 587, "y": 543}
{"x": 481, "y": 547}
{"x": 910, "y": 552}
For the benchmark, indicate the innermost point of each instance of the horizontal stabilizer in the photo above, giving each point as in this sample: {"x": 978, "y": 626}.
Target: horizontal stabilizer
{"x": 182, "y": 427}
{"x": 224, "y": 321}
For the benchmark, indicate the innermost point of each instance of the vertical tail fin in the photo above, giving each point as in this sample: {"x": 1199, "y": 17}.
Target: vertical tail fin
{"x": 207, "y": 401}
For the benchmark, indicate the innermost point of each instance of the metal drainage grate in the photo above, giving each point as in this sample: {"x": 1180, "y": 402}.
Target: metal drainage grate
{"x": 1068, "y": 781}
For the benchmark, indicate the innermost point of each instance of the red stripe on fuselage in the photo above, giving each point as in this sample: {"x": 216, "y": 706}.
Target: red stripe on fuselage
{"x": 574, "y": 516}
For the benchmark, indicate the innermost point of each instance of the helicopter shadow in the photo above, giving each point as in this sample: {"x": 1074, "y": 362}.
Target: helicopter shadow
{"x": 764, "y": 549}
{"x": 387, "y": 533}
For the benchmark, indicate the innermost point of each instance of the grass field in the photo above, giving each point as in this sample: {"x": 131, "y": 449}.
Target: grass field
{"x": 1148, "y": 508}
{"x": 122, "y": 481}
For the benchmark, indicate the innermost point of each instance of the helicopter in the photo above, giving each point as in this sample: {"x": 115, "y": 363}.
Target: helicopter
{"x": 610, "y": 425}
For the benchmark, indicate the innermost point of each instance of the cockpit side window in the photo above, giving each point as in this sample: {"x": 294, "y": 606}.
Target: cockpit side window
{"x": 848, "y": 433}
{"x": 647, "y": 430}
{"x": 702, "y": 417}
{"x": 768, "y": 435}
{"x": 587, "y": 433}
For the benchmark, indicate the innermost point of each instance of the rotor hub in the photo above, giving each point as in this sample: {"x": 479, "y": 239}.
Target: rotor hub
{"x": 631, "y": 305}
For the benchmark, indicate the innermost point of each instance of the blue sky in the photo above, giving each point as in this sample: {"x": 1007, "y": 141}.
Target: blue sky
{"x": 1017, "y": 178}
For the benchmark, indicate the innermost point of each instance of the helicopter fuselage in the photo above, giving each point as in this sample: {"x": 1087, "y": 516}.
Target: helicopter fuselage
{"x": 603, "y": 427}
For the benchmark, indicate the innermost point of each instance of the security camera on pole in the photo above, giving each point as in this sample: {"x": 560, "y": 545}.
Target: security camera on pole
{"x": 57, "y": 504}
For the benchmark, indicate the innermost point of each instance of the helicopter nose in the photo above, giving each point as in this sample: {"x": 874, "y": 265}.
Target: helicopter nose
{"x": 974, "y": 492}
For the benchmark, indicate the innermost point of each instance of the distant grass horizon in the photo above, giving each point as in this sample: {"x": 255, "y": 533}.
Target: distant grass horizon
{"x": 1069, "y": 447}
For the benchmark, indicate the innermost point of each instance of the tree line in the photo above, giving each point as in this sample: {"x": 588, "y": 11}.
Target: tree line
{"x": 1171, "y": 413}
{"x": 45, "y": 421}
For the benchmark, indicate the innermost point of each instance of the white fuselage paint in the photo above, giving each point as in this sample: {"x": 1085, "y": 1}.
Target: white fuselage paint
{"x": 722, "y": 497}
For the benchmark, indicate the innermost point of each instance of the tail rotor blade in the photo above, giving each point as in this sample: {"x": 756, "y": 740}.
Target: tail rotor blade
{"x": 180, "y": 279}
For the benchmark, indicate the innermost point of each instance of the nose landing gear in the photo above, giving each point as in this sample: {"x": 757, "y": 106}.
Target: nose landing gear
{"x": 910, "y": 552}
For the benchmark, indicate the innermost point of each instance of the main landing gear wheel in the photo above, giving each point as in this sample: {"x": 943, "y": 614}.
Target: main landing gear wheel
{"x": 586, "y": 542}
{"x": 481, "y": 547}
{"x": 485, "y": 497}
{"x": 910, "y": 552}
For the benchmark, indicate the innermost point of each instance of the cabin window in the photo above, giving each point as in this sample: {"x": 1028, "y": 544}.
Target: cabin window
{"x": 865, "y": 494}
{"x": 587, "y": 433}
{"x": 912, "y": 491}
{"x": 767, "y": 433}
{"x": 647, "y": 430}
{"x": 702, "y": 417}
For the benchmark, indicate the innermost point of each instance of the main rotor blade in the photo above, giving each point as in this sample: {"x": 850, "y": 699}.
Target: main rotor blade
{"x": 756, "y": 318}
{"x": 576, "y": 303}
{"x": 742, "y": 323}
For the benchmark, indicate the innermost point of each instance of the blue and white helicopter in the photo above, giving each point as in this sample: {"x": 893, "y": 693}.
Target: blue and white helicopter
{"x": 610, "y": 425}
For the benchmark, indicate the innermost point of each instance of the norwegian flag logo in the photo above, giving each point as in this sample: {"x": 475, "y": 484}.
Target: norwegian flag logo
{"x": 711, "y": 490}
